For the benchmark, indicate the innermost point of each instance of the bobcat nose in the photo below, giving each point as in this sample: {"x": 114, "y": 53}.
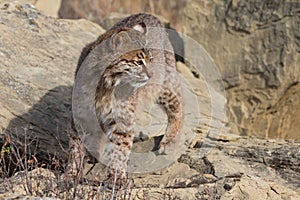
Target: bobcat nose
{"x": 147, "y": 77}
{"x": 144, "y": 70}
{"x": 144, "y": 77}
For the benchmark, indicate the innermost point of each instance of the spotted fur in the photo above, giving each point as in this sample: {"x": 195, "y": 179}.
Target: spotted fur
{"x": 147, "y": 74}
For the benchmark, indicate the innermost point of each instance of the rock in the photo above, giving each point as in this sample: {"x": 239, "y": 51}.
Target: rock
{"x": 98, "y": 11}
{"x": 21, "y": 1}
{"x": 111, "y": 18}
{"x": 284, "y": 115}
{"x": 254, "y": 188}
{"x": 50, "y": 7}
{"x": 38, "y": 59}
{"x": 233, "y": 179}
{"x": 229, "y": 169}
{"x": 256, "y": 47}
{"x": 266, "y": 159}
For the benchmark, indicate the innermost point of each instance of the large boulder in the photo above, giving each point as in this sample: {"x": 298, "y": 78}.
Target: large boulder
{"x": 38, "y": 59}
{"x": 256, "y": 47}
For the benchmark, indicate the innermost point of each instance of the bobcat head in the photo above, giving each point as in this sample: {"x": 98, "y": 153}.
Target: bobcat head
{"x": 131, "y": 67}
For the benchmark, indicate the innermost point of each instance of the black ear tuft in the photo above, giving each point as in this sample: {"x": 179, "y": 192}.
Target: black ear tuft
{"x": 141, "y": 27}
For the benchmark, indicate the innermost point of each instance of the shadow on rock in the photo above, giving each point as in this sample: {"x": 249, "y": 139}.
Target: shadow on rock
{"x": 177, "y": 43}
{"x": 43, "y": 129}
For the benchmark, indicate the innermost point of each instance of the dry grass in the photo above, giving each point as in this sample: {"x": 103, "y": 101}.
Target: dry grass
{"x": 22, "y": 173}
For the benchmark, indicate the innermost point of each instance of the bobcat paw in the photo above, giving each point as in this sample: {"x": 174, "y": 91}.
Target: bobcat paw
{"x": 116, "y": 179}
{"x": 164, "y": 148}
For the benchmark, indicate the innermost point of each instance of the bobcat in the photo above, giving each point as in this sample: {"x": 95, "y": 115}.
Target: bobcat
{"x": 145, "y": 73}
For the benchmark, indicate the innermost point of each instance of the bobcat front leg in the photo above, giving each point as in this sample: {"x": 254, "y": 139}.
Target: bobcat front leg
{"x": 172, "y": 103}
{"x": 120, "y": 144}
{"x": 118, "y": 127}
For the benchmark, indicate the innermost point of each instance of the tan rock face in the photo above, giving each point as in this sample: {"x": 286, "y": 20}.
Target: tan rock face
{"x": 256, "y": 47}
{"x": 50, "y": 7}
{"x": 38, "y": 59}
{"x": 22, "y": 1}
{"x": 285, "y": 115}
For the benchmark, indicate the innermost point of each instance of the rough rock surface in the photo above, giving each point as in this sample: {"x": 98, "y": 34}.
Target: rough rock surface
{"x": 256, "y": 47}
{"x": 238, "y": 168}
{"x": 38, "y": 59}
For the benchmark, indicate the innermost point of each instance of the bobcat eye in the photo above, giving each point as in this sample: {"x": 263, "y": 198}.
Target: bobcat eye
{"x": 140, "y": 62}
{"x": 127, "y": 69}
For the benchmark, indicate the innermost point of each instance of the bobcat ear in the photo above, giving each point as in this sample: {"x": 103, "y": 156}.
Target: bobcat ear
{"x": 141, "y": 27}
{"x": 120, "y": 38}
